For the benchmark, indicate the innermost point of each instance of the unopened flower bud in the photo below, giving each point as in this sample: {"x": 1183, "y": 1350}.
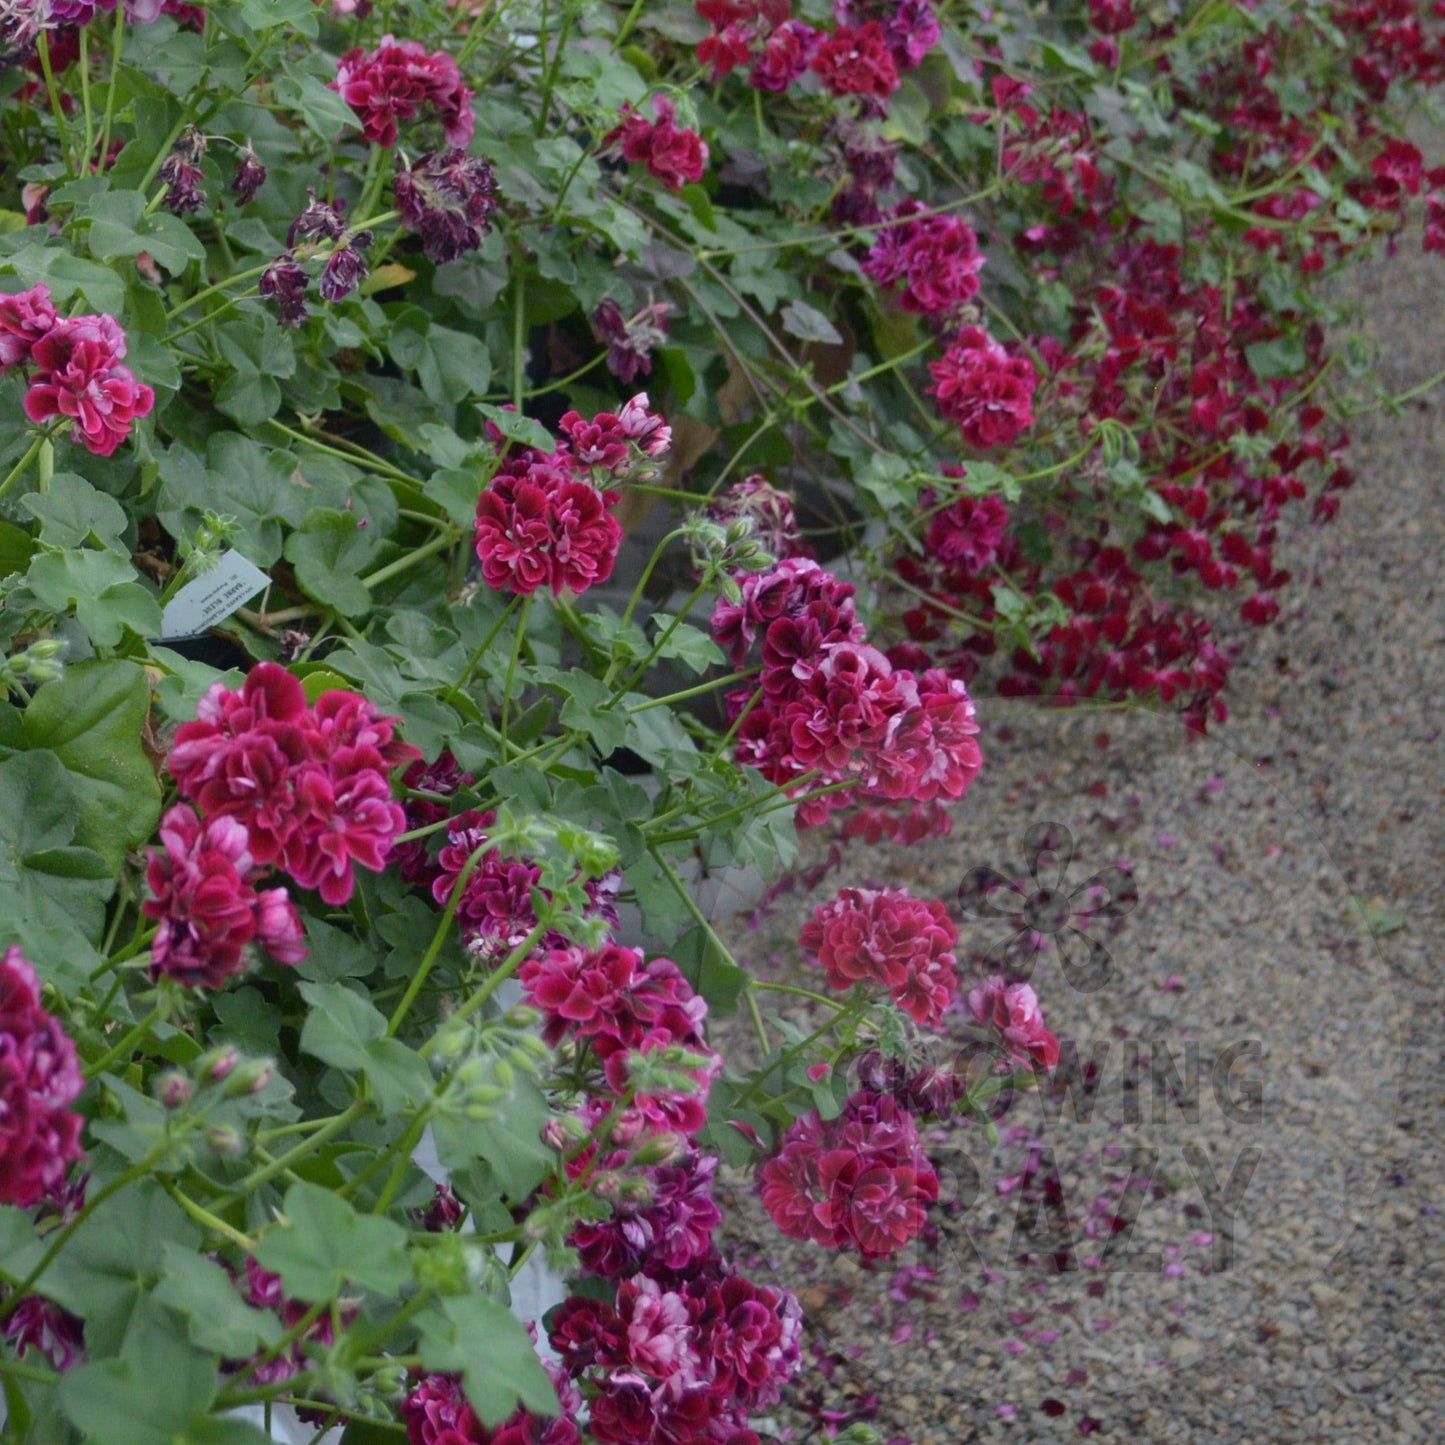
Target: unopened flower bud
{"x": 607, "y": 1186}
{"x": 173, "y": 1089}
{"x": 218, "y": 1064}
{"x": 658, "y": 1149}
{"x": 224, "y": 1141}
{"x": 554, "y": 1134}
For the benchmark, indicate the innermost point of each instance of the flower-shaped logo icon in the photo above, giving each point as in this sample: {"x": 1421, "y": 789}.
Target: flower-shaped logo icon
{"x": 1037, "y": 901}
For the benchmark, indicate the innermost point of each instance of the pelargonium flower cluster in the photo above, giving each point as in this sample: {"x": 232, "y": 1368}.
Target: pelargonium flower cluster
{"x": 760, "y": 33}
{"x": 860, "y": 1182}
{"x": 320, "y": 226}
{"x": 398, "y": 81}
{"x": 910, "y": 28}
{"x": 672, "y": 153}
{"x": 620, "y": 1006}
{"x": 436, "y": 1412}
{"x": 448, "y": 198}
{"x": 310, "y": 785}
{"x": 1011, "y": 1011}
{"x": 209, "y": 911}
{"x": 495, "y": 912}
{"x": 630, "y": 341}
{"x": 542, "y": 522}
{"x": 891, "y": 940}
{"x": 985, "y": 389}
{"x": 934, "y": 257}
{"x": 78, "y": 370}
{"x": 685, "y": 1359}
{"x": 830, "y": 709}
{"x": 857, "y": 62}
{"x": 39, "y": 1078}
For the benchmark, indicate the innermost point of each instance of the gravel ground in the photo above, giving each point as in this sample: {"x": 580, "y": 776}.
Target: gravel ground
{"x": 1267, "y": 1101}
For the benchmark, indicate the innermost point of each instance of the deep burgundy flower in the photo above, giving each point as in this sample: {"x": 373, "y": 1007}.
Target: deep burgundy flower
{"x": 310, "y": 786}
{"x": 249, "y": 178}
{"x": 909, "y": 26}
{"x": 345, "y": 270}
{"x": 672, "y": 153}
{"x": 668, "y": 1236}
{"x": 240, "y": 757}
{"x": 856, "y": 62}
{"x": 630, "y": 343}
{"x": 546, "y": 529}
{"x": 207, "y": 909}
{"x": 25, "y": 317}
{"x": 347, "y": 817}
{"x": 39, "y": 1076}
{"x": 318, "y": 222}
{"x": 987, "y": 391}
{"x": 79, "y": 375}
{"x": 784, "y": 58}
{"x": 818, "y": 608}
{"x": 935, "y": 257}
{"x": 860, "y": 1182}
{"x": 447, "y": 198}
{"x": 751, "y": 1335}
{"x": 888, "y": 938}
{"x": 968, "y": 533}
{"x": 41, "y": 1325}
{"x": 284, "y": 282}
{"x": 396, "y": 81}
{"x": 181, "y": 174}
{"x": 1012, "y": 1009}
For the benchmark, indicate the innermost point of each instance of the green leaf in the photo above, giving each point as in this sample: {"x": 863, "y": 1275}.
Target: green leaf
{"x": 510, "y": 1144}
{"x": 809, "y": 324}
{"x": 323, "y": 110}
{"x": 691, "y": 646}
{"x": 16, "y": 549}
{"x": 323, "y": 1244}
{"x": 115, "y": 1259}
{"x": 73, "y": 513}
{"x": 51, "y": 892}
{"x": 120, "y": 227}
{"x": 518, "y": 428}
{"x": 132, "y": 1401}
{"x": 102, "y": 588}
{"x": 450, "y": 365}
{"x": 217, "y": 1318}
{"x": 329, "y": 553}
{"x": 888, "y": 480}
{"x": 1285, "y": 356}
{"x": 345, "y": 1031}
{"x": 498, "y": 1378}
{"x": 92, "y": 719}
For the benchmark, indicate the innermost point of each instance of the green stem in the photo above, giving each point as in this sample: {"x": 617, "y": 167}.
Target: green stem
{"x": 23, "y": 465}
{"x": 504, "y": 971}
{"x": 438, "y": 939}
{"x": 518, "y": 638}
{"x": 205, "y": 1217}
{"x": 62, "y": 131}
{"x": 807, "y": 993}
{"x": 329, "y": 1130}
{"x": 437, "y": 544}
{"x": 117, "y": 45}
{"x": 127, "y": 1043}
{"x": 519, "y": 324}
{"x": 455, "y": 689}
{"x": 666, "y": 636}
{"x": 731, "y": 679}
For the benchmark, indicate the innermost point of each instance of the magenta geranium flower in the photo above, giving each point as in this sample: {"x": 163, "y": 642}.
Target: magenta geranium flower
{"x": 396, "y": 82}
{"x": 79, "y": 375}
{"x": 25, "y": 317}
{"x": 671, "y": 153}
{"x": 891, "y": 940}
{"x": 39, "y": 1077}
{"x": 984, "y": 389}
{"x": 207, "y": 907}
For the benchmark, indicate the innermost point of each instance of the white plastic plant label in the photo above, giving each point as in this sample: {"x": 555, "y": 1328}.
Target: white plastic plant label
{"x": 212, "y": 597}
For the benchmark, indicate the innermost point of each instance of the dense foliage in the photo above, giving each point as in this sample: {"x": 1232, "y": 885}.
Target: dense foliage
{"x": 978, "y": 344}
